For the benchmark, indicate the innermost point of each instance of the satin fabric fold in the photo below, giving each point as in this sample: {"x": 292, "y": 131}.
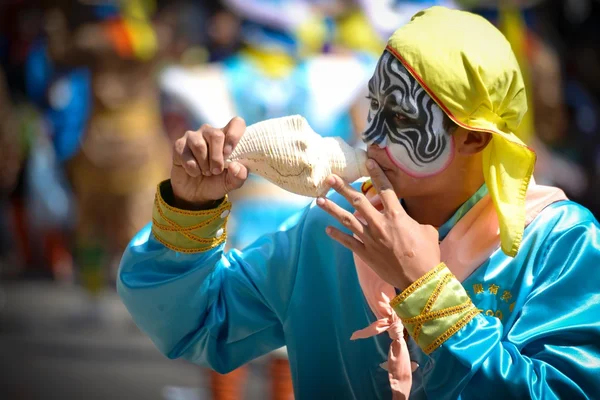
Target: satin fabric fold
{"x": 468, "y": 244}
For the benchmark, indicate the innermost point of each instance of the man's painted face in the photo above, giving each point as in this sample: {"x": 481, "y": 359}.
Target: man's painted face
{"x": 405, "y": 121}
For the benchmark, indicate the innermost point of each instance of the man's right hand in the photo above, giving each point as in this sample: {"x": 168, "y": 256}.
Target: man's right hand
{"x": 198, "y": 175}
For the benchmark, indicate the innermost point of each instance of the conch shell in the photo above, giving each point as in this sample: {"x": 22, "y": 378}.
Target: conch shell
{"x": 287, "y": 152}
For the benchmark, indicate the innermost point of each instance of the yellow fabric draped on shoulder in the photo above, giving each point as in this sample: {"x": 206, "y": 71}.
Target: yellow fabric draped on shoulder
{"x": 468, "y": 67}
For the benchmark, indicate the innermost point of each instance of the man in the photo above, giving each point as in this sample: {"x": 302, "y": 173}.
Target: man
{"x": 445, "y": 97}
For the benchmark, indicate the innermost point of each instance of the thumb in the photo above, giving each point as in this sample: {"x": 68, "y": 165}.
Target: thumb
{"x": 236, "y": 176}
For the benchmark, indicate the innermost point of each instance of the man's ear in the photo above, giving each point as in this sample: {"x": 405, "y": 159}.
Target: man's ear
{"x": 470, "y": 142}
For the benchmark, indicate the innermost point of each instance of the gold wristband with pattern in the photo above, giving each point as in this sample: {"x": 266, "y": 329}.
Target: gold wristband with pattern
{"x": 188, "y": 231}
{"x": 434, "y": 308}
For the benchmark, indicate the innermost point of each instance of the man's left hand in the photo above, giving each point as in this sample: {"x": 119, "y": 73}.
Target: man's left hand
{"x": 395, "y": 246}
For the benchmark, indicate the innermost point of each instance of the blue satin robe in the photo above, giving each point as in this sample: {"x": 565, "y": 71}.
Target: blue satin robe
{"x": 537, "y": 337}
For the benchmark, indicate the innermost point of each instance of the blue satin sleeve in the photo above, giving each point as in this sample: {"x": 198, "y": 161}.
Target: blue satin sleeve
{"x": 213, "y": 309}
{"x": 552, "y": 351}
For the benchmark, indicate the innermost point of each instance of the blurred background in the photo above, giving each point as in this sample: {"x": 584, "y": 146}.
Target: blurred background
{"x": 94, "y": 92}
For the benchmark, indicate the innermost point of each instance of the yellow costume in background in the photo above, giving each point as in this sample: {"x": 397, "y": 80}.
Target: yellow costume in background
{"x": 124, "y": 149}
{"x": 122, "y": 155}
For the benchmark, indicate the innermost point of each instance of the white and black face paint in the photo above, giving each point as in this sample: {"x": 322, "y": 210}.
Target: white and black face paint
{"x": 406, "y": 121}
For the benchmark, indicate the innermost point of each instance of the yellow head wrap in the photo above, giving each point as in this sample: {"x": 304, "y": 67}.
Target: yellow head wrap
{"x": 469, "y": 69}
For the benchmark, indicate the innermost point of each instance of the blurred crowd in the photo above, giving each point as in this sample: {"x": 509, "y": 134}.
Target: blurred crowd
{"x": 94, "y": 92}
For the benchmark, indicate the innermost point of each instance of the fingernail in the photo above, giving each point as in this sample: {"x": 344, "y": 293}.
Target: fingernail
{"x": 370, "y": 164}
{"x": 320, "y": 201}
{"x": 216, "y": 171}
{"x": 206, "y": 173}
{"x": 328, "y": 230}
{"x": 227, "y": 149}
{"x": 235, "y": 169}
{"x": 331, "y": 180}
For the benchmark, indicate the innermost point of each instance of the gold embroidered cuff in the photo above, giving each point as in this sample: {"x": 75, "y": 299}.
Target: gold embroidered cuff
{"x": 187, "y": 231}
{"x": 434, "y": 308}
